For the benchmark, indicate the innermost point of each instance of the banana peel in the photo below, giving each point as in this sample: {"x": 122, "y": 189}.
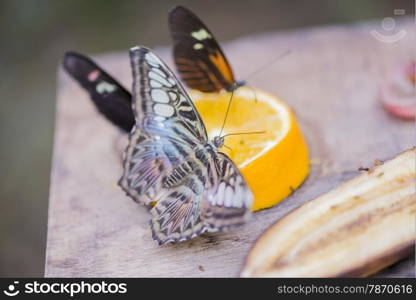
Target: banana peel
{"x": 354, "y": 230}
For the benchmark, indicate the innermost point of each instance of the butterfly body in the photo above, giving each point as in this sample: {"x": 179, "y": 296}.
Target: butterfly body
{"x": 171, "y": 161}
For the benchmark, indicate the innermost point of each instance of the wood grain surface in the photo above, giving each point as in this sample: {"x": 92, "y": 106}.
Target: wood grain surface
{"x": 331, "y": 79}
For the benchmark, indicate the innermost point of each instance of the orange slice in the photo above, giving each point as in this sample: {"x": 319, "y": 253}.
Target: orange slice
{"x": 275, "y": 162}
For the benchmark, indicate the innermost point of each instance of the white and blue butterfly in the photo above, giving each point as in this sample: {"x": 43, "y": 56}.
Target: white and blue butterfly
{"x": 171, "y": 161}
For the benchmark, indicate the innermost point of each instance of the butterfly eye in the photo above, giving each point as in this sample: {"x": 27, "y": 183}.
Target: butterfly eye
{"x": 218, "y": 141}
{"x": 240, "y": 83}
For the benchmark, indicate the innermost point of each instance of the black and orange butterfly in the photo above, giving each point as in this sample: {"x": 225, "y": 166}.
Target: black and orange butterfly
{"x": 199, "y": 59}
{"x": 108, "y": 95}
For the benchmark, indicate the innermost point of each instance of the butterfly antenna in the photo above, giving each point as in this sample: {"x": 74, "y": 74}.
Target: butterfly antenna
{"x": 241, "y": 133}
{"x": 226, "y": 114}
{"x": 268, "y": 64}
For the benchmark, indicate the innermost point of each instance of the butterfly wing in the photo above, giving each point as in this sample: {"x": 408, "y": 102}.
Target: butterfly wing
{"x": 108, "y": 95}
{"x": 226, "y": 204}
{"x": 147, "y": 161}
{"x": 199, "y": 59}
{"x": 176, "y": 217}
{"x": 161, "y": 106}
{"x": 168, "y": 127}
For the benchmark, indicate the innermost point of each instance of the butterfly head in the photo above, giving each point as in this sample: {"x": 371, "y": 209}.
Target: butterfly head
{"x": 236, "y": 85}
{"x": 218, "y": 141}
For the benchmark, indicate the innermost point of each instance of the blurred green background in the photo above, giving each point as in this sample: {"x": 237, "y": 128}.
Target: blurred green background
{"x": 35, "y": 34}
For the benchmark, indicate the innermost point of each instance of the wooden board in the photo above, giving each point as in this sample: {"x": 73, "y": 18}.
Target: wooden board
{"x": 331, "y": 79}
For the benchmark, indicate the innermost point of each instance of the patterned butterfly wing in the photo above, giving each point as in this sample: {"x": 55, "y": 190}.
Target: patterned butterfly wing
{"x": 227, "y": 203}
{"x": 167, "y": 127}
{"x": 199, "y": 59}
{"x": 159, "y": 162}
{"x": 161, "y": 106}
{"x": 108, "y": 95}
{"x": 176, "y": 217}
